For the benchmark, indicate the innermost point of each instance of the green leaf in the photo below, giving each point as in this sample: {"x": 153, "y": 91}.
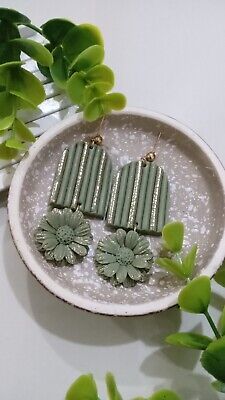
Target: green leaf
{"x": 6, "y": 153}
{"x": 103, "y": 105}
{"x": 15, "y": 143}
{"x": 95, "y": 90}
{"x": 7, "y": 110}
{"x": 56, "y": 29}
{"x": 190, "y": 340}
{"x": 116, "y": 101}
{"x": 113, "y": 392}
{"x": 165, "y": 394}
{"x": 219, "y": 386}
{"x": 173, "y": 236}
{"x": 220, "y": 275}
{"x": 75, "y": 87}
{"x": 222, "y": 323}
{"x": 8, "y": 31}
{"x": 35, "y": 50}
{"x": 188, "y": 262}
{"x": 84, "y": 388}
{"x": 90, "y": 57}
{"x": 94, "y": 110}
{"x": 8, "y": 52}
{"x": 80, "y": 38}
{"x": 26, "y": 86}
{"x": 14, "y": 16}
{"x": 59, "y": 68}
{"x": 195, "y": 297}
{"x": 45, "y": 70}
{"x": 100, "y": 73}
{"x": 22, "y": 131}
{"x": 173, "y": 266}
{"x": 213, "y": 359}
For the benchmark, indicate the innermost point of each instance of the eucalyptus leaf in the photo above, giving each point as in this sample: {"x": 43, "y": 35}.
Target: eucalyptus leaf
{"x": 222, "y": 323}
{"x": 80, "y": 38}
{"x": 35, "y": 50}
{"x": 90, "y": 57}
{"x": 213, "y": 359}
{"x": 116, "y": 101}
{"x": 173, "y": 236}
{"x": 84, "y": 388}
{"x": 100, "y": 73}
{"x": 112, "y": 390}
{"x": 56, "y": 29}
{"x": 95, "y": 90}
{"x": 26, "y": 86}
{"x": 190, "y": 340}
{"x": 75, "y": 87}
{"x": 8, "y": 31}
{"x": 173, "y": 266}
{"x": 6, "y": 153}
{"x": 188, "y": 262}
{"x": 15, "y": 143}
{"x": 59, "y": 68}
{"x": 22, "y": 131}
{"x": 104, "y": 104}
{"x": 165, "y": 394}
{"x": 94, "y": 110}
{"x": 220, "y": 275}
{"x": 7, "y": 110}
{"x": 45, "y": 70}
{"x": 219, "y": 386}
{"x": 195, "y": 297}
{"x": 8, "y": 52}
{"x": 14, "y": 16}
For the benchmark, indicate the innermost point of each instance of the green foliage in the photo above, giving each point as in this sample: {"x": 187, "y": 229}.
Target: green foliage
{"x": 72, "y": 58}
{"x": 213, "y": 359}
{"x": 220, "y": 275}
{"x": 195, "y": 297}
{"x": 173, "y": 237}
{"x": 219, "y": 386}
{"x": 190, "y": 340}
{"x": 84, "y": 388}
{"x": 222, "y": 323}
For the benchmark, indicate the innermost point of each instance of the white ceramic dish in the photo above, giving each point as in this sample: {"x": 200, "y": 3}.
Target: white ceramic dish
{"x": 197, "y": 188}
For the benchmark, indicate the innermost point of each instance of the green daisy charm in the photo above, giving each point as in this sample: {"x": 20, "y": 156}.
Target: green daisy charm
{"x": 63, "y": 235}
{"x": 124, "y": 258}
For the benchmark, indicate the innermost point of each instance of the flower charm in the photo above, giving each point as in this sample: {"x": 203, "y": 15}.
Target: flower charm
{"x": 63, "y": 235}
{"x": 124, "y": 258}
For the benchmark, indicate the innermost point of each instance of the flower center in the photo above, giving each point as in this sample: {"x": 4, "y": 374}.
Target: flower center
{"x": 65, "y": 234}
{"x": 125, "y": 256}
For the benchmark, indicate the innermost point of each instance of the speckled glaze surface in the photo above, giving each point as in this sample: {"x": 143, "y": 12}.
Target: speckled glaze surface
{"x": 196, "y": 186}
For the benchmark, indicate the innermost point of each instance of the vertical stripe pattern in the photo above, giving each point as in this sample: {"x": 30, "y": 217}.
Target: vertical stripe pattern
{"x": 139, "y": 198}
{"x": 83, "y": 178}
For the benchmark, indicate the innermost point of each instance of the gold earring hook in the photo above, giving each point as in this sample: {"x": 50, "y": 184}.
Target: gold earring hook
{"x": 98, "y": 138}
{"x": 151, "y": 155}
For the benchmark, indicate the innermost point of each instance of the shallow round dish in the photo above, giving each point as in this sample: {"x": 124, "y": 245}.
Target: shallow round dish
{"x": 197, "y": 187}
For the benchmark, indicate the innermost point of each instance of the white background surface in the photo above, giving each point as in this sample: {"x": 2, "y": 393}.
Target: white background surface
{"x": 169, "y": 56}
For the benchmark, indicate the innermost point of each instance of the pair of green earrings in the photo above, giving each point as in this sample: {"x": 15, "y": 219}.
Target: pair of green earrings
{"x": 134, "y": 201}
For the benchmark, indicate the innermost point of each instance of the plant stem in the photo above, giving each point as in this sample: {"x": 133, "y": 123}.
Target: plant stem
{"x": 211, "y": 323}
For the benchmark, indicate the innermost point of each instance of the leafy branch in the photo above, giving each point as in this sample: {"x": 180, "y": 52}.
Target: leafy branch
{"x": 72, "y": 58}
{"x": 195, "y": 298}
{"x": 173, "y": 238}
{"x": 85, "y": 388}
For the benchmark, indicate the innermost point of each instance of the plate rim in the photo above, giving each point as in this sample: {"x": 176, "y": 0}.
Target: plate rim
{"x": 64, "y": 293}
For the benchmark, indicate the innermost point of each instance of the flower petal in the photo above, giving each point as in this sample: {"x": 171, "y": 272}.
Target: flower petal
{"x": 70, "y": 256}
{"x": 133, "y": 273}
{"x": 76, "y": 219}
{"x": 49, "y": 244}
{"x": 67, "y": 215}
{"x": 108, "y": 245}
{"x": 78, "y": 249}
{"x": 45, "y": 226}
{"x": 120, "y": 236}
{"x": 141, "y": 262}
{"x": 49, "y": 255}
{"x": 131, "y": 239}
{"x": 59, "y": 252}
{"x": 84, "y": 240}
{"x": 142, "y": 246}
{"x": 83, "y": 229}
{"x": 111, "y": 269}
{"x": 121, "y": 274}
{"x": 104, "y": 258}
{"x": 62, "y": 218}
{"x": 53, "y": 218}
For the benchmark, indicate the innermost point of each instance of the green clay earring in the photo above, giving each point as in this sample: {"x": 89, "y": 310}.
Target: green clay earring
{"x": 63, "y": 235}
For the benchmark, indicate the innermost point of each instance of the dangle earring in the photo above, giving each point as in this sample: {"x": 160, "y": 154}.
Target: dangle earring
{"x": 137, "y": 203}
{"x": 81, "y": 186}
